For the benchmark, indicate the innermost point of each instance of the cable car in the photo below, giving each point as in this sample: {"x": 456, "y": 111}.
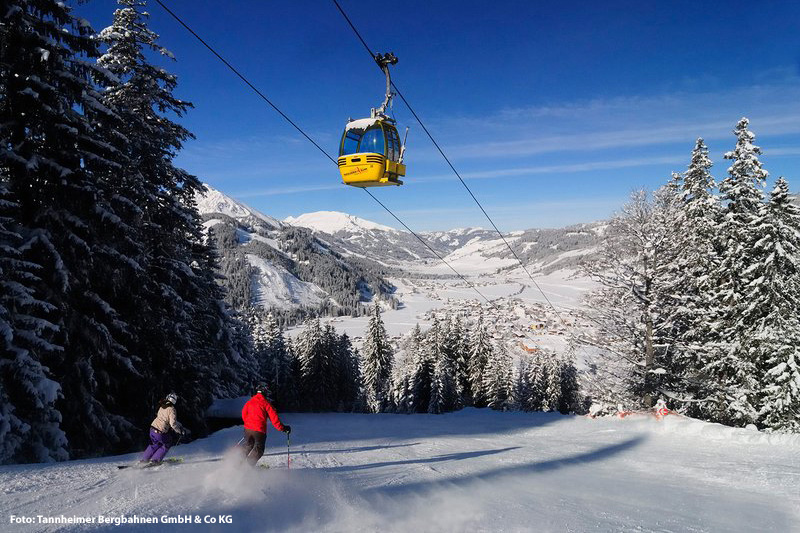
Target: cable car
{"x": 370, "y": 152}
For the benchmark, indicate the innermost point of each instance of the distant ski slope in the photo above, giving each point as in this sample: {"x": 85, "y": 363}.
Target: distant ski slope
{"x": 474, "y": 470}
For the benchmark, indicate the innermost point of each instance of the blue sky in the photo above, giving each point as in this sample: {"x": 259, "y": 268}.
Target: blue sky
{"x": 553, "y": 112}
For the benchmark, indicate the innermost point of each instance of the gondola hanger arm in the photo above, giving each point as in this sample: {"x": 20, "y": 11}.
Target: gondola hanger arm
{"x": 383, "y": 61}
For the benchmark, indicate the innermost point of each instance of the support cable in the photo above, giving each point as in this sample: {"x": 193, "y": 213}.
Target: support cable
{"x": 450, "y": 164}
{"x": 298, "y": 128}
{"x": 241, "y": 76}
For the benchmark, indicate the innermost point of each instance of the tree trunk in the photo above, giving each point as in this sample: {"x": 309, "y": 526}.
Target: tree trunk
{"x": 647, "y": 399}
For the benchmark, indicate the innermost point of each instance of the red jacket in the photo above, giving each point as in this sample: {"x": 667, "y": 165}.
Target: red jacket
{"x": 255, "y": 414}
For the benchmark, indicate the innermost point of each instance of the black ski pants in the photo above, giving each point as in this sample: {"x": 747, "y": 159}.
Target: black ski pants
{"x": 254, "y": 444}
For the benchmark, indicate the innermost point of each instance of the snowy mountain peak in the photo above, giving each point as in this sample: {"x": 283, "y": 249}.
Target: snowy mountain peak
{"x": 215, "y": 201}
{"x": 333, "y": 222}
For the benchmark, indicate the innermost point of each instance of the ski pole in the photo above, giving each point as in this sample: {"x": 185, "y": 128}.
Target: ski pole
{"x": 288, "y": 460}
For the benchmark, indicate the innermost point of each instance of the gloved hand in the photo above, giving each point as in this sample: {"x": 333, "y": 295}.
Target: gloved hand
{"x": 287, "y": 429}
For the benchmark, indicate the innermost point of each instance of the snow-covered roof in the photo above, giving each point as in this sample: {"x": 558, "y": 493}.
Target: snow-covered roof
{"x": 361, "y": 124}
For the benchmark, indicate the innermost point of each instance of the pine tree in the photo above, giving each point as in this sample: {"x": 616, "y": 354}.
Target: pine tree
{"x": 446, "y": 393}
{"x": 402, "y": 393}
{"x": 460, "y": 354}
{"x": 534, "y": 381}
{"x": 330, "y": 345}
{"x": 480, "y": 348}
{"x": 317, "y": 388}
{"x": 729, "y": 366}
{"x": 775, "y": 296}
{"x": 422, "y": 379}
{"x": 350, "y": 375}
{"x": 192, "y": 342}
{"x": 523, "y": 388}
{"x": 570, "y": 395}
{"x": 499, "y": 380}
{"x": 60, "y": 151}
{"x": 271, "y": 354}
{"x": 29, "y": 422}
{"x": 551, "y": 384}
{"x": 376, "y": 363}
{"x": 688, "y": 282}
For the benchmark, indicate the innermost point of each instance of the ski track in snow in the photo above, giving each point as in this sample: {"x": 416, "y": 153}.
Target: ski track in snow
{"x": 474, "y": 470}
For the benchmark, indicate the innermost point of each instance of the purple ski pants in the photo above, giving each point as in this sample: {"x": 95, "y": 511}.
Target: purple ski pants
{"x": 160, "y": 443}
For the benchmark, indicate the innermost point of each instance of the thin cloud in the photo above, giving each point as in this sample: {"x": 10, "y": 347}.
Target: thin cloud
{"x": 774, "y": 109}
{"x": 577, "y": 203}
{"x": 778, "y": 152}
{"x": 649, "y": 136}
{"x": 285, "y": 190}
{"x": 589, "y": 166}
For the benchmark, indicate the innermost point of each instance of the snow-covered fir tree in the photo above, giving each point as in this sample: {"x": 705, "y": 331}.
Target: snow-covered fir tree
{"x": 29, "y": 422}
{"x": 687, "y": 278}
{"x": 775, "y": 294}
{"x": 550, "y": 382}
{"x": 423, "y": 364}
{"x": 60, "y": 153}
{"x": 570, "y": 401}
{"x": 523, "y": 388}
{"x": 317, "y": 387}
{"x": 480, "y": 348}
{"x": 460, "y": 354}
{"x": 446, "y": 393}
{"x": 722, "y": 294}
{"x": 498, "y": 380}
{"x": 404, "y": 369}
{"x": 730, "y": 367}
{"x": 376, "y": 363}
{"x": 402, "y": 393}
{"x": 272, "y": 356}
{"x": 349, "y": 372}
{"x": 186, "y": 332}
{"x": 547, "y": 382}
{"x": 531, "y": 383}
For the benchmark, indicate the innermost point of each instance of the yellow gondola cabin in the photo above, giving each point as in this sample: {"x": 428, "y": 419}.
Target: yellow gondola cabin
{"x": 369, "y": 154}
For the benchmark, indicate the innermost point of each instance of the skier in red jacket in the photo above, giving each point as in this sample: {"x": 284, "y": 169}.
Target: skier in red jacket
{"x": 255, "y": 414}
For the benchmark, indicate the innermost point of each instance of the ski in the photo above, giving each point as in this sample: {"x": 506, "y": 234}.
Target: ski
{"x": 169, "y": 460}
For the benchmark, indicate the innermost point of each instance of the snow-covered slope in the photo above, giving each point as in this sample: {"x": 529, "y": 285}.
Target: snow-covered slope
{"x": 354, "y": 236}
{"x": 377, "y": 250}
{"x": 287, "y": 267}
{"x": 474, "y": 470}
{"x": 456, "y": 238}
{"x": 215, "y": 201}
{"x": 275, "y": 287}
{"x": 468, "y": 249}
{"x": 334, "y": 222}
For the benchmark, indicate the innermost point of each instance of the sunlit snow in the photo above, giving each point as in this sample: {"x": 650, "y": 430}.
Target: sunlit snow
{"x": 473, "y": 470}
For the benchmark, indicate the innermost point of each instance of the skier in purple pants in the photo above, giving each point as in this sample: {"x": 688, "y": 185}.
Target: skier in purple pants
{"x": 163, "y": 431}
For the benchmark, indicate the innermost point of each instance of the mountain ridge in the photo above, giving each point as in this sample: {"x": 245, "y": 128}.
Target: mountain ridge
{"x": 288, "y": 261}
